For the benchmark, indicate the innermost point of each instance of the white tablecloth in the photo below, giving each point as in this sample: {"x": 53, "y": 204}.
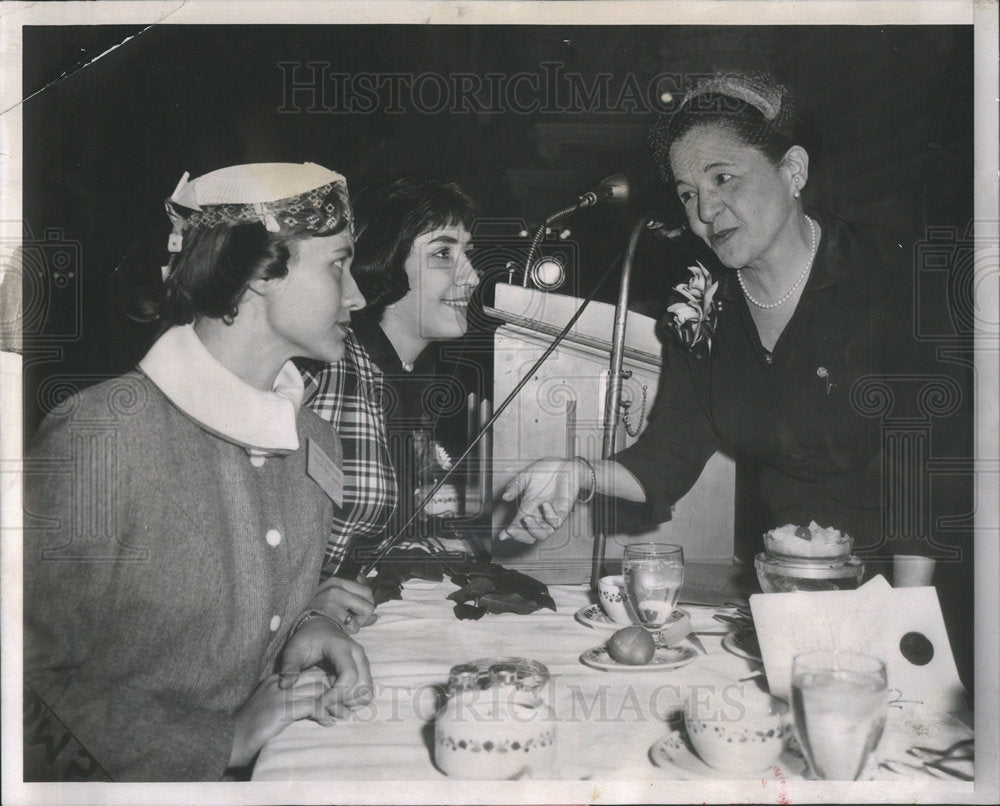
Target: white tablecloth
{"x": 607, "y": 721}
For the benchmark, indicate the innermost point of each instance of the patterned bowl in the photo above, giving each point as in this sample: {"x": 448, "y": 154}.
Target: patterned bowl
{"x": 494, "y": 735}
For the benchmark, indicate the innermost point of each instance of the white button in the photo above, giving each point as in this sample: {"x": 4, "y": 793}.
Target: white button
{"x": 273, "y": 537}
{"x": 275, "y": 623}
{"x": 257, "y": 460}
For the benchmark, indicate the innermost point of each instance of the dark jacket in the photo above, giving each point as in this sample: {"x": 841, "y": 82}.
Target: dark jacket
{"x": 836, "y": 418}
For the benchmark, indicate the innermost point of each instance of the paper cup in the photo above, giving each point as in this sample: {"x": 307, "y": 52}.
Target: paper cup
{"x": 912, "y": 571}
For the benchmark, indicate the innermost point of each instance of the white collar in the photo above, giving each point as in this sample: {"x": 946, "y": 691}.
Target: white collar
{"x": 204, "y": 389}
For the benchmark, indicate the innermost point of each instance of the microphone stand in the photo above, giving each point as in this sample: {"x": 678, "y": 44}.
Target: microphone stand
{"x": 612, "y": 399}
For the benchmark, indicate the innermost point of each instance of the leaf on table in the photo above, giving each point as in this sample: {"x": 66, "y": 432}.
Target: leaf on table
{"x": 386, "y": 590}
{"x": 519, "y": 581}
{"x": 475, "y": 588}
{"x": 467, "y": 612}
{"x": 482, "y": 586}
{"x": 544, "y": 600}
{"x": 430, "y": 571}
{"x": 507, "y": 603}
{"x": 487, "y": 570}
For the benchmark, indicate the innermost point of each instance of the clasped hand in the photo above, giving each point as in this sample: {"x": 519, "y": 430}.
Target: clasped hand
{"x": 292, "y": 695}
{"x": 321, "y": 641}
{"x": 548, "y": 489}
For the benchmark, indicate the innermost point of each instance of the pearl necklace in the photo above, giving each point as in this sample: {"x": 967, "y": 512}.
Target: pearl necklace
{"x": 805, "y": 271}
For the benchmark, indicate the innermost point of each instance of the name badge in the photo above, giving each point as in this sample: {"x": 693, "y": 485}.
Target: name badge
{"x": 325, "y": 472}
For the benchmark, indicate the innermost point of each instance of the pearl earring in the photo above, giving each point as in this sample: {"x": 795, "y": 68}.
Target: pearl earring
{"x": 796, "y": 193}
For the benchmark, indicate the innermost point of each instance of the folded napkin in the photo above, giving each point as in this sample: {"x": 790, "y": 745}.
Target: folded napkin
{"x": 903, "y": 627}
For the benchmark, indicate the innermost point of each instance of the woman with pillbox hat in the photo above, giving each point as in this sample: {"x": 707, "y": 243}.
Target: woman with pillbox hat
{"x": 172, "y": 596}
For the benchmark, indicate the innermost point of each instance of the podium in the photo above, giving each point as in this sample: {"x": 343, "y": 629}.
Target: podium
{"x": 560, "y": 412}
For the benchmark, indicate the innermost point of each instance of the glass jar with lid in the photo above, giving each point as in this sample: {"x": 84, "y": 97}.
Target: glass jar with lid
{"x": 495, "y": 723}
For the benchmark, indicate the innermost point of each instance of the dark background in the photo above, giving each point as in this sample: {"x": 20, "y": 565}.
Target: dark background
{"x": 106, "y": 142}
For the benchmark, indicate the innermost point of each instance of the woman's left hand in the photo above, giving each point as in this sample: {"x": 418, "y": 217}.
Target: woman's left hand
{"x": 319, "y": 640}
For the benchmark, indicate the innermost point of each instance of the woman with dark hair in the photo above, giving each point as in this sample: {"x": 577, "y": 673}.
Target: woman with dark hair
{"x": 775, "y": 358}
{"x": 176, "y": 550}
{"x": 412, "y": 263}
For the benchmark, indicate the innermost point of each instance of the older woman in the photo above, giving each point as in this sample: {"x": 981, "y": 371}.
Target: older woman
{"x": 181, "y": 503}
{"x": 412, "y": 264}
{"x": 766, "y": 360}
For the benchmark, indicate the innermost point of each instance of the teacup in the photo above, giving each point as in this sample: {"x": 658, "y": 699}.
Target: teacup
{"x": 611, "y": 592}
{"x": 737, "y": 728}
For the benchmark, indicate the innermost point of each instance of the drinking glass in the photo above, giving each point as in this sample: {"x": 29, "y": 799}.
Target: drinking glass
{"x": 840, "y": 701}
{"x": 654, "y": 574}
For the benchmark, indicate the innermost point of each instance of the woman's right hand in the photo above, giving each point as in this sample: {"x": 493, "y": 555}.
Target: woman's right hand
{"x": 549, "y": 489}
{"x": 349, "y": 601}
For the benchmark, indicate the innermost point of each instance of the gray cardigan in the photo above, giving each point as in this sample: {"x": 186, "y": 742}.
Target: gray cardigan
{"x": 156, "y": 595}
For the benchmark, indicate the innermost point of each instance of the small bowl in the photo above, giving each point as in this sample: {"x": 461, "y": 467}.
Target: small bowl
{"x": 494, "y": 735}
{"x": 738, "y": 728}
{"x": 783, "y": 544}
{"x": 611, "y": 593}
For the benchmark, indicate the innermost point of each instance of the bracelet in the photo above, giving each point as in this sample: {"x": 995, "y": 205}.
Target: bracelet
{"x": 593, "y": 479}
{"x": 308, "y": 614}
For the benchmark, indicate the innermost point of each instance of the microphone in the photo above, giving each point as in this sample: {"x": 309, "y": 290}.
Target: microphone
{"x": 612, "y": 189}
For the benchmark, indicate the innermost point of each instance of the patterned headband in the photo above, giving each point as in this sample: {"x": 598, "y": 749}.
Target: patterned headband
{"x": 318, "y": 210}
{"x": 289, "y": 196}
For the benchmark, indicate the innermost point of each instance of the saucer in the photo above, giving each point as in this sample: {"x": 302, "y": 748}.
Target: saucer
{"x": 674, "y": 753}
{"x": 593, "y": 616}
{"x": 663, "y": 658}
{"x": 743, "y": 643}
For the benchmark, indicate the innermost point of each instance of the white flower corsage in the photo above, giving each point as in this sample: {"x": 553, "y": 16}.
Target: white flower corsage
{"x": 693, "y": 320}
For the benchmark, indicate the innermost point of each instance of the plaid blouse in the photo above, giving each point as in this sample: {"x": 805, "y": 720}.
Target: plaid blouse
{"x": 347, "y": 395}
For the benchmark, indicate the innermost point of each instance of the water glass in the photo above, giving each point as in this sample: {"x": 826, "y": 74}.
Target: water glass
{"x": 840, "y": 701}
{"x": 654, "y": 575}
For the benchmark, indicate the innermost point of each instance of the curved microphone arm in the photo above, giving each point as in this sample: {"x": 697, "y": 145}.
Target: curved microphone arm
{"x": 540, "y": 233}
{"x": 612, "y": 189}
{"x": 612, "y": 399}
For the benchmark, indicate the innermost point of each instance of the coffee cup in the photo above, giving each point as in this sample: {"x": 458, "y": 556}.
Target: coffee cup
{"x": 611, "y": 593}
